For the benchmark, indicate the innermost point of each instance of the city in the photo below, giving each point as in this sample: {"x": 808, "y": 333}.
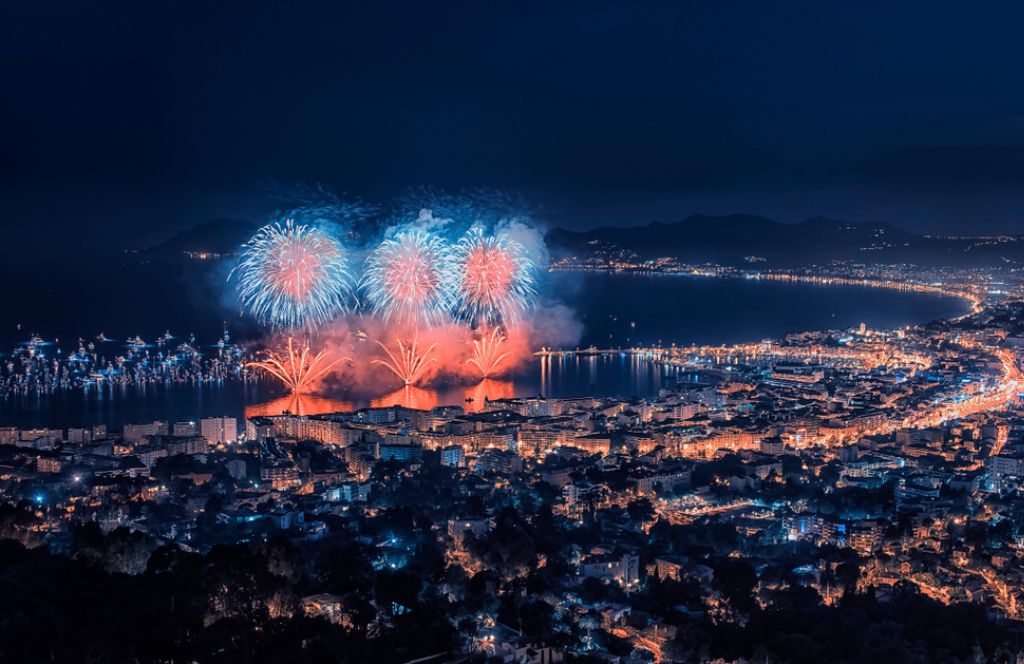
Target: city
{"x": 882, "y": 463}
{"x": 531, "y": 333}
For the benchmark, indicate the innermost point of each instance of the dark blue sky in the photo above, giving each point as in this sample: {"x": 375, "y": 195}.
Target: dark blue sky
{"x": 131, "y": 120}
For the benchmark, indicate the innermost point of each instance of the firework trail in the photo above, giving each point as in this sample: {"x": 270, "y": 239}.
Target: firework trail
{"x": 405, "y": 279}
{"x": 493, "y": 279}
{"x": 299, "y": 369}
{"x": 408, "y": 364}
{"x": 293, "y": 276}
{"x": 320, "y": 206}
{"x": 487, "y": 352}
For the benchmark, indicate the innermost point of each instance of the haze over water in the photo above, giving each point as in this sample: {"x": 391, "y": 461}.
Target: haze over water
{"x": 615, "y": 310}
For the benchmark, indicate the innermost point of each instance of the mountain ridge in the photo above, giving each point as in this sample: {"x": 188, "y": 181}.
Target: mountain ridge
{"x": 736, "y": 239}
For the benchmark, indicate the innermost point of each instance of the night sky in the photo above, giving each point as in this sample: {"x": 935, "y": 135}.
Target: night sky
{"x": 124, "y": 122}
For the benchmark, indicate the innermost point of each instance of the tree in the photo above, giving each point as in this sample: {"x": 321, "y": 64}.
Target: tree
{"x": 345, "y": 568}
{"x": 127, "y": 551}
{"x": 283, "y": 558}
{"x": 18, "y": 522}
{"x": 641, "y": 510}
{"x": 736, "y": 579}
{"x": 397, "y": 591}
{"x": 848, "y": 573}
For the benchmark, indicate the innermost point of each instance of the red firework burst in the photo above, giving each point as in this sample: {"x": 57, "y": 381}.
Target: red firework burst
{"x": 494, "y": 278}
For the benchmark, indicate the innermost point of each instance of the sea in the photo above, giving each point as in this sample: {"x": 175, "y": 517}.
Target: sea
{"x": 609, "y": 310}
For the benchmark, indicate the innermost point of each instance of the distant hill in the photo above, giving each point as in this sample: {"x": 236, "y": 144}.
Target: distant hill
{"x": 729, "y": 240}
{"x": 220, "y": 236}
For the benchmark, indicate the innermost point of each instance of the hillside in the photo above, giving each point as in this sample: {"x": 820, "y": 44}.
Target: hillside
{"x": 219, "y": 236}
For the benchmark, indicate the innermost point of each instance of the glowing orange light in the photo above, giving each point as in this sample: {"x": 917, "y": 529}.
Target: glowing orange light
{"x": 298, "y": 369}
{"x": 298, "y": 404}
{"x": 488, "y": 355}
{"x": 409, "y": 396}
{"x": 408, "y": 363}
{"x": 490, "y": 389}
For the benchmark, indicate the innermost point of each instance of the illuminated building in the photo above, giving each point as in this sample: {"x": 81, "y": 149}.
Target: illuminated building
{"x": 623, "y": 568}
{"x": 399, "y": 451}
{"x": 219, "y": 430}
{"x": 453, "y": 456}
{"x": 184, "y": 429}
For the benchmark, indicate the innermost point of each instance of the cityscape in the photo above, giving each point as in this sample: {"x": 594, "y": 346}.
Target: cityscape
{"x": 265, "y": 399}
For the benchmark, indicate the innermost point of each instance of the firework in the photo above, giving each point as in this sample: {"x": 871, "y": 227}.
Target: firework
{"x": 408, "y": 363}
{"x": 405, "y": 279}
{"x": 487, "y": 353}
{"x": 293, "y": 276}
{"x": 493, "y": 280}
{"x": 299, "y": 369}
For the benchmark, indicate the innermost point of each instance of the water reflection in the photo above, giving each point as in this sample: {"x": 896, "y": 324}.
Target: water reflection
{"x": 473, "y": 397}
{"x": 564, "y": 376}
{"x": 298, "y": 404}
{"x": 486, "y": 390}
{"x": 409, "y": 396}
